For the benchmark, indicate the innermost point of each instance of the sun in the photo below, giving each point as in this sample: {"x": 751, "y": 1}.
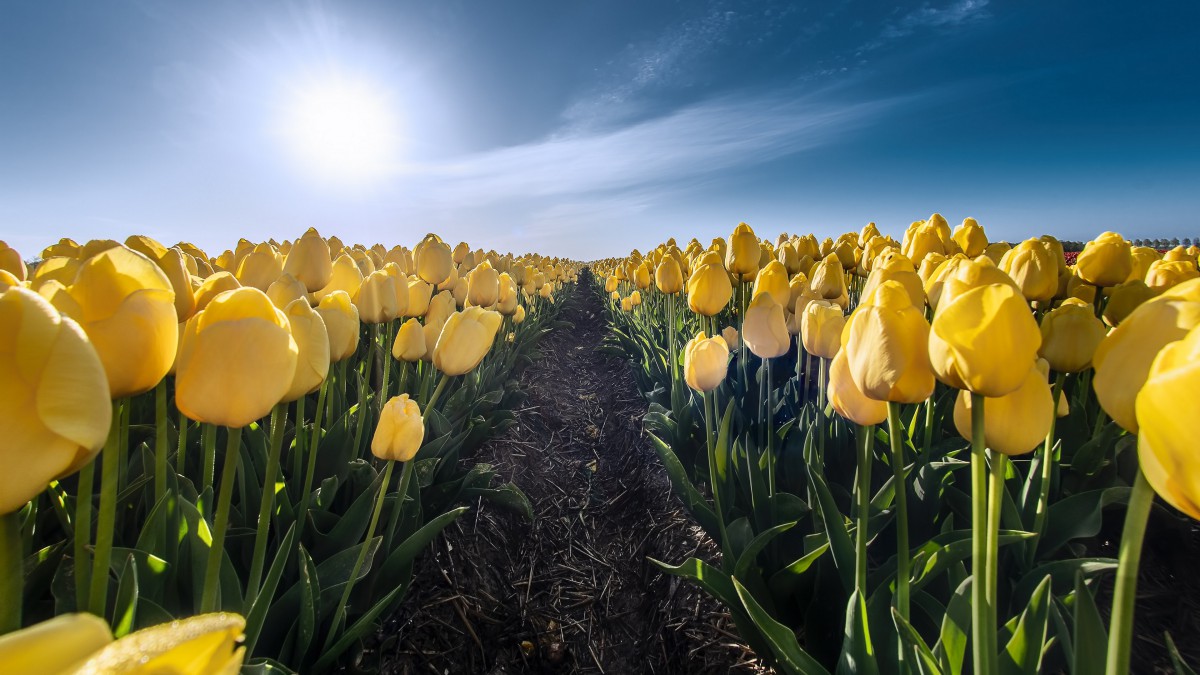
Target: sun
{"x": 341, "y": 129}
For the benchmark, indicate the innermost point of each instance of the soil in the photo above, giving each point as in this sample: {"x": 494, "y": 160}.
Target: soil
{"x": 572, "y": 591}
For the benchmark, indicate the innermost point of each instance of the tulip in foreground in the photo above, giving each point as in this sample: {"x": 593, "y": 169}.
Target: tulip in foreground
{"x": 1015, "y": 423}
{"x": 465, "y": 340}
{"x": 705, "y": 362}
{"x": 401, "y": 430}
{"x": 764, "y": 330}
{"x": 887, "y": 346}
{"x": 983, "y": 340}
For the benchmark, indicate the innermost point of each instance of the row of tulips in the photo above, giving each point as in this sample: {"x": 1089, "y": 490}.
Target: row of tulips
{"x": 1011, "y": 398}
{"x": 149, "y": 395}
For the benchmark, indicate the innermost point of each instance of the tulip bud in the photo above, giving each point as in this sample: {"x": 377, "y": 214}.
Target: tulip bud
{"x": 260, "y": 268}
{"x": 312, "y": 345}
{"x": 128, "y": 311}
{"x": 668, "y": 276}
{"x": 285, "y": 290}
{"x": 610, "y": 284}
{"x": 65, "y": 247}
{"x": 981, "y": 340}
{"x": 730, "y": 335}
{"x": 821, "y": 328}
{"x": 1125, "y": 298}
{"x": 1070, "y": 334}
{"x": 971, "y": 238}
{"x": 376, "y": 298}
{"x": 828, "y": 280}
{"x": 345, "y": 277}
{"x": 1141, "y": 258}
{"x": 519, "y": 315}
{"x": 635, "y": 298}
{"x": 419, "y": 295}
{"x": 57, "y": 409}
{"x": 1123, "y": 359}
{"x": 705, "y": 362}
{"x": 400, "y": 431}
{"x": 483, "y": 288}
{"x": 57, "y": 645}
{"x": 410, "y": 342}
{"x": 893, "y": 266}
{"x": 1105, "y": 261}
{"x": 206, "y": 643}
{"x": 773, "y": 279}
{"x": 764, "y": 329}
{"x": 341, "y": 322}
{"x": 626, "y": 305}
{"x": 887, "y": 345}
{"x": 433, "y": 259}
{"x": 847, "y": 399}
{"x": 1032, "y": 267}
{"x": 1164, "y": 274}
{"x": 922, "y": 239}
{"x": 465, "y": 340}
{"x": 1015, "y": 423}
{"x": 743, "y": 255}
{"x": 1166, "y": 406}
{"x": 440, "y": 309}
{"x": 11, "y": 262}
{"x": 709, "y": 288}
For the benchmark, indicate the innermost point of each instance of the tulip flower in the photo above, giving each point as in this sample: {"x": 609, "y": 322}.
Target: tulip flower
{"x": 709, "y": 288}
{"x": 286, "y": 289}
{"x": 887, "y": 346}
{"x": 764, "y": 329}
{"x": 610, "y": 284}
{"x": 705, "y": 362}
{"x": 1031, "y": 265}
{"x": 420, "y": 293}
{"x": 310, "y": 261}
{"x": 211, "y": 287}
{"x": 1124, "y": 298}
{"x": 962, "y": 274}
{"x": 980, "y": 340}
{"x": 821, "y": 328}
{"x": 506, "y": 302}
{"x": 410, "y": 342}
{"x": 57, "y": 645}
{"x": 971, "y": 238}
{"x": 1142, "y": 257}
{"x": 1105, "y": 261}
{"x": 1070, "y": 334}
{"x": 773, "y": 279}
{"x": 56, "y": 409}
{"x": 237, "y": 360}
{"x": 465, "y": 340}
{"x": 1123, "y": 359}
{"x": 828, "y": 280}
{"x": 433, "y": 260}
{"x": 376, "y": 298}
{"x": 641, "y": 276}
{"x": 920, "y": 240}
{"x": 519, "y": 315}
{"x": 11, "y": 262}
{"x": 847, "y": 399}
{"x": 1166, "y": 406}
{"x": 312, "y": 344}
{"x": 483, "y": 286}
{"x": 260, "y": 268}
{"x": 65, "y": 247}
{"x": 400, "y": 431}
{"x": 207, "y": 643}
{"x": 346, "y": 277}
{"x": 635, "y": 298}
{"x": 1015, "y": 423}
{"x": 341, "y": 322}
{"x": 626, "y": 304}
{"x": 893, "y": 266}
{"x": 1164, "y": 274}
{"x": 546, "y": 292}
{"x": 730, "y": 335}
{"x": 128, "y": 312}
{"x": 440, "y": 310}
{"x": 743, "y": 255}
{"x": 668, "y": 276}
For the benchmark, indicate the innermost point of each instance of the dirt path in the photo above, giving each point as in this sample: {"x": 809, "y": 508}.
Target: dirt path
{"x": 571, "y": 592}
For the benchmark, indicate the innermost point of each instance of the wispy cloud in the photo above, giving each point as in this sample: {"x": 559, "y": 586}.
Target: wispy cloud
{"x": 954, "y": 15}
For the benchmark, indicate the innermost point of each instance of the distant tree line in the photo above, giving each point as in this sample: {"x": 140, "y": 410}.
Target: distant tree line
{"x": 1161, "y": 243}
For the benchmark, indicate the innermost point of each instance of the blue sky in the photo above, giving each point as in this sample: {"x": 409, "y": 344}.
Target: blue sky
{"x": 585, "y": 129}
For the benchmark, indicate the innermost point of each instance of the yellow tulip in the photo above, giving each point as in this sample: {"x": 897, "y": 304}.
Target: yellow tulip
{"x": 1164, "y": 274}
{"x": 610, "y": 284}
{"x": 847, "y": 399}
{"x": 506, "y": 303}
{"x": 310, "y": 261}
{"x": 61, "y": 269}
{"x": 400, "y": 431}
{"x": 200, "y": 645}
{"x": 821, "y": 328}
{"x": 341, "y": 322}
{"x": 626, "y": 305}
{"x": 433, "y": 260}
{"x": 773, "y": 279}
{"x": 128, "y": 312}
{"x": 765, "y": 330}
{"x": 546, "y": 292}
{"x": 641, "y": 276}
{"x": 483, "y": 286}
{"x": 1142, "y": 257}
{"x": 465, "y": 340}
{"x": 1124, "y": 298}
{"x": 887, "y": 346}
{"x": 11, "y": 262}
{"x": 460, "y": 252}
{"x": 7, "y": 281}
{"x": 705, "y": 362}
{"x": 983, "y": 339}
{"x": 1179, "y": 254}
{"x": 1070, "y": 334}
{"x": 260, "y": 268}
{"x": 312, "y": 344}
{"x": 743, "y": 255}
{"x": 893, "y": 266}
{"x": 709, "y": 288}
{"x": 1166, "y": 408}
{"x": 174, "y": 266}
{"x": 410, "y": 342}
{"x": 376, "y": 298}
{"x": 420, "y": 294}
{"x": 963, "y": 274}
{"x": 285, "y": 290}
{"x": 828, "y": 280}
{"x": 65, "y": 247}
{"x": 1123, "y": 359}
{"x": 635, "y": 298}
{"x": 1105, "y": 261}
{"x": 54, "y": 646}
{"x": 212, "y": 286}
{"x": 1031, "y": 265}
{"x": 730, "y": 335}
{"x": 345, "y": 277}
{"x": 236, "y": 361}
{"x": 971, "y": 238}
{"x": 920, "y": 240}
{"x": 1015, "y": 423}
{"x": 55, "y": 406}
{"x": 668, "y": 276}
{"x": 519, "y": 315}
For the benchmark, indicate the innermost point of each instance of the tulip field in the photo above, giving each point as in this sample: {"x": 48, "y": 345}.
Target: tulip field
{"x": 939, "y": 454}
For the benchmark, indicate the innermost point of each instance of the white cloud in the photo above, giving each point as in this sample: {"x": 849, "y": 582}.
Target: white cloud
{"x": 951, "y": 16}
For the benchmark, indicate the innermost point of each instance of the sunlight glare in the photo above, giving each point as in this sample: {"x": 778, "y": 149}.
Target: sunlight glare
{"x": 342, "y": 130}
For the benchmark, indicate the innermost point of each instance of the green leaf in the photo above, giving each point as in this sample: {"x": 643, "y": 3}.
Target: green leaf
{"x": 858, "y": 654}
{"x": 310, "y": 592}
{"x": 508, "y": 496}
{"x": 1062, "y": 575}
{"x": 357, "y": 630}
{"x": 258, "y": 610}
{"x": 411, "y": 547}
{"x": 835, "y": 528}
{"x": 956, "y": 626}
{"x": 692, "y": 500}
{"x": 1078, "y": 516}
{"x": 1090, "y": 639}
{"x": 125, "y": 612}
{"x": 1181, "y": 667}
{"x": 790, "y": 656}
{"x": 719, "y": 585}
{"x": 784, "y": 582}
{"x": 750, "y": 553}
{"x": 927, "y": 663}
{"x": 1023, "y": 653}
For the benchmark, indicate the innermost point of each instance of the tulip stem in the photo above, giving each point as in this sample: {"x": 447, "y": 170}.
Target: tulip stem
{"x": 210, "y": 456}
{"x": 83, "y": 534}
{"x": 12, "y": 572}
{"x": 1046, "y": 466}
{"x": 181, "y": 451}
{"x": 1120, "y": 631}
{"x": 109, "y": 474}
{"x": 821, "y": 410}
{"x": 266, "y": 506}
{"x": 437, "y": 391}
{"x": 160, "y": 440}
{"x": 895, "y": 437}
{"x": 299, "y": 441}
{"x": 863, "y": 495}
{"x": 714, "y": 477}
{"x": 401, "y": 495}
{"x": 385, "y": 354}
{"x": 361, "y": 414}
{"x": 212, "y": 571}
{"x": 339, "y": 613}
{"x": 983, "y": 631}
{"x": 314, "y": 441}
{"x": 997, "y": 465}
